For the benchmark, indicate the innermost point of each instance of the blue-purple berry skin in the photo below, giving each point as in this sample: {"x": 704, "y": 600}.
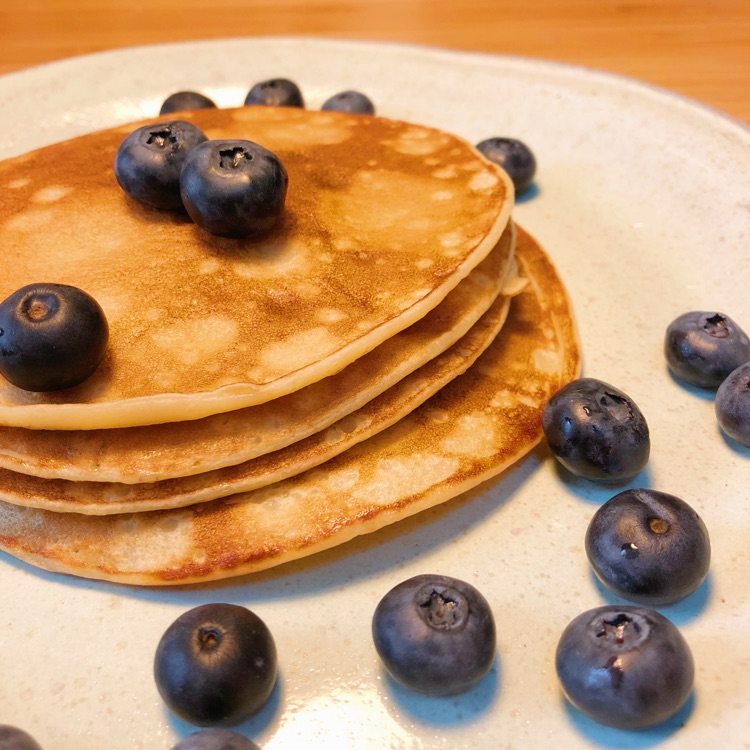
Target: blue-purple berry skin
{"x": 732, "y": 404}
{"x": 353, "y": 102}
{"x": 216, "y": 665}
{"x": 13, "y": 738}
{"x": 149, "y": 161}
{"x": 702, "y": 348}
{"x": 215, "y": 739}
{"x": 52, "y": 337}
{"x": 183, "y": 101}
{"x": 234, "y": 188}
{"x": 275, "y": 92}
{"x": 435, "y": 634}
{"x": 596, "y": 431}
{"x": 514, "y": 156}
{"x": 627, "y": 667}
{"x": 648, "y": 547}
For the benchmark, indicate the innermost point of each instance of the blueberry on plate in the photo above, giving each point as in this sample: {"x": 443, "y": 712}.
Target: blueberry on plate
{"x": 435, "y": 634}
{"x": 13, "y": 738}
{"x": 349, "y": 101}
{"x": 514, "y": 156}
{"x": 182, "y": 101}
{"x": 732, "y": 404}
{"x": 52, "y": 336}
{"x": 627, "y": 667}
{"x": 149, "y": 161}
{"x": 702, "y": 348}
{"x": 649, "y": 547}
{"x": 275, "y": 92}
{"x": 596, "y": 431}
{"x": 216, "y": 664}
{"x": 233, "y": 188}
{"x": 214, "y": 739}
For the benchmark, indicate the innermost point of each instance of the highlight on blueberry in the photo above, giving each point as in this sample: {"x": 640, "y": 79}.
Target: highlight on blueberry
{"x": 149, "y": 161}
{"x": 349, "y": 101}
{"x": 627, "y": 667}
{"x": 435, "y": 634}
{"x": 182, "y": 101}
{"x": 596, "y": 431}
{"x": 216, "y": 664}
{"x": 732, "y": 404}
{"x": 214, "y": 739}
{"x": 275, "y": 92}
{"x": 648, "y": 546}
{"x": 52, "y": 337}
{"x": 233, "y": 188}
{"x": 702, "y": 348}
{"x": 13, "y": 738}
{"x": 514, "y": 156}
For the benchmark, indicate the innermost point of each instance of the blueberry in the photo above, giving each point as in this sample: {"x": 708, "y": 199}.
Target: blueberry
{"x": 214, "y": 739}
{"x": 276, "y": 92}
{"x": 733, "y": 404}
{"x": 596, "y": 431}
{"x": 648, "y": 546}
{"x": 148, "y": 162}
{"x": 704, "y": 347}
{"x": 52, "y": 336}
{"x": 349, "y": 101}
{"x": 233, "y": 188}
{"x": 435, "y": 634}
{"x": 181, "y": 101}
{"x": 216, "y": 664}
{"x": 12, "y": 738}
{"x": 626, "y": 667}
{"x": 514, "y": 156}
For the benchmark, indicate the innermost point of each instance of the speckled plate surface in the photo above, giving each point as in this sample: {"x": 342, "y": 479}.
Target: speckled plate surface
{"x": 643, "y": 201}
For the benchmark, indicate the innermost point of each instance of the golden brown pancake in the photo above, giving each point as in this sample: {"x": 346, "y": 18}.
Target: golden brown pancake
{"x": 157, "y": 452}
{"x": 382, "y": 220}
{"x": 474, "y": 428}
{"x": 100, "y": 498}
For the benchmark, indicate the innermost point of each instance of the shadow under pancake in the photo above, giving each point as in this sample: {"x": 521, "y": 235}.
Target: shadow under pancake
{"x": 362, "y": 558}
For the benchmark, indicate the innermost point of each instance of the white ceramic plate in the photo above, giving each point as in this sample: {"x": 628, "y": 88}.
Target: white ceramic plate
{"x": 644, "y": 203}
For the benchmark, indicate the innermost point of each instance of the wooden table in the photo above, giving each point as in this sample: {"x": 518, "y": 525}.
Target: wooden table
{"x": 700, "y": 48}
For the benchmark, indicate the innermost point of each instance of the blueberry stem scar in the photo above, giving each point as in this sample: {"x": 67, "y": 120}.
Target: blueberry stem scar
{"x": 232, "y": 158}
{"x": 617, "y": 629}
{"x": 658, "y": 525}
{"x": 161, "y": 138}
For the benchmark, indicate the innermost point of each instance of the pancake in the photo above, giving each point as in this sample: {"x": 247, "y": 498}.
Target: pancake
{"x": 382, "y": 220}
{"x": 101, "y": 498}
{"x": 477, "y": 426}
{"x": 157, "y": 452}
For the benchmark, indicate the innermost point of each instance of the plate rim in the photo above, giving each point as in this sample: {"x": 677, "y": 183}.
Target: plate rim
{"x": 321, "y": 43}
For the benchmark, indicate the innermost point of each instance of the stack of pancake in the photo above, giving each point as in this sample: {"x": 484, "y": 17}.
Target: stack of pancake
{"x": 388, "y": 346}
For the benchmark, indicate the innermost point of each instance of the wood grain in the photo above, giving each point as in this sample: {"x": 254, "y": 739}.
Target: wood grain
{"x": 700, "y": 48}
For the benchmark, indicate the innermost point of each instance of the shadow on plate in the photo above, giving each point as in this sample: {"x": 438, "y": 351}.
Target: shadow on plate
{"x": 598, "y": 493}
{"x": 529, "y": 194}
{"x": 680, "y": 613}
{"x": 442, "y": 711}
{"x": 360, "y": 559}
{"x": 628, "y": 739}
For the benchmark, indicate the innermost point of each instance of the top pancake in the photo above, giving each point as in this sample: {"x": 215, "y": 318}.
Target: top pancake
{"x": 382, "y": 220}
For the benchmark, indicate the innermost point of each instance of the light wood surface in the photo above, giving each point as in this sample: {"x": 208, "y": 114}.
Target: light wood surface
{"x": 700, "y": 48}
